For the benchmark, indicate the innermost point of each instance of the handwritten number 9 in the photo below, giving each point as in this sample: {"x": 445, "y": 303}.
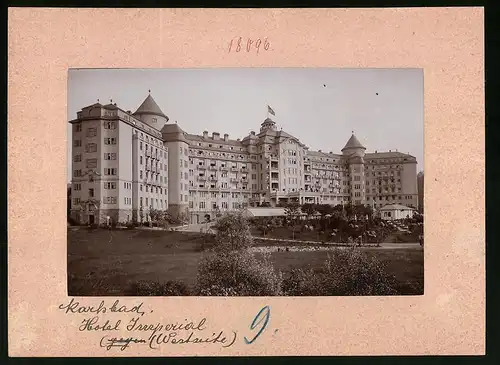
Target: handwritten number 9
{"x": 263, "y": 315}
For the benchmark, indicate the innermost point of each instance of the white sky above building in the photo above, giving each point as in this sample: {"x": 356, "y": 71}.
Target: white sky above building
{"x": 320, "y": 106}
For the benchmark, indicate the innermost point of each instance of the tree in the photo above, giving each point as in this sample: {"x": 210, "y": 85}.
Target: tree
{"x": 308, "y": 209}
{"x": 420, "y": 190}
{"x": 217, "y": 212}
{"x": 232, "y": 269}
{"x": 265, "y": 224}
{"x": 233, "y": 232}
{"x": 292, "y": 213}
{"x": 141, "y": 214}
{"x": 349, "y": 211}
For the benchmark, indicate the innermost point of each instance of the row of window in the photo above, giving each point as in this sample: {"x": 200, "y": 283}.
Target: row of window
{"x": 106, "y": 124}
{"x": 159, "y": 203}
{"x": 148, "y": 147}
{"x": 224, "y": 205}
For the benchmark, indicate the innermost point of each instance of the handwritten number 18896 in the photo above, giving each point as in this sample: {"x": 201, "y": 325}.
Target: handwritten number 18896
{"x": 237, "y": 44}
{"x": 262, "y": 316}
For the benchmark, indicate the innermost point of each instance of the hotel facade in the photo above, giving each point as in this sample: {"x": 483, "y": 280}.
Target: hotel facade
{"x": 124, "y": 164}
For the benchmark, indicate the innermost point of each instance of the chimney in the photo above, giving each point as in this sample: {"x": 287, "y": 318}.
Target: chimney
{"x": 129, "y": 112}
{"x": 376, "y": 151}
{"x": 215, "y": 136}
{"x": 390, "y": 151}
{"x": 252, "y": 133}
{"x": 319, "y": 150}
{"x": 238, "y": 139}
{"x": 226, "y": 137}
{"x": 205, "y": 134}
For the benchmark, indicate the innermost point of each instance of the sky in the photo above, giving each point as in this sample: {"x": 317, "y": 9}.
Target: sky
{"x": 319, "y": 106}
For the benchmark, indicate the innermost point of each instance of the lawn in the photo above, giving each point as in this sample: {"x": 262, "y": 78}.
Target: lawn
{"x": 106, "y": 262}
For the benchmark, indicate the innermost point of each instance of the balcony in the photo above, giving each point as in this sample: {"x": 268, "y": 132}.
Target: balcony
{"x": 202, "y": 178}
{"x": 224, "y": 168}
{"x": 234, "y": 179}
{"x": 202, "y": 167}
{"x": 274, "y": 158}
{"x": 234, "y": 169}
{"x": 148, "y": 168}
{"x": 244, "y": 170}
{"x": 212, "y": 178}
{"x": 148, "y": 153}
{"x": 212, "y": 167}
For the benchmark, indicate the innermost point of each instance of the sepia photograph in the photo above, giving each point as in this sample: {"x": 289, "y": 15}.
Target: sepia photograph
{"x": 245, "y": 182}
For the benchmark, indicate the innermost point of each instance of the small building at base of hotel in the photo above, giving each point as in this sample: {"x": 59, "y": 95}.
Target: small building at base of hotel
{"x": 393, "y": 212}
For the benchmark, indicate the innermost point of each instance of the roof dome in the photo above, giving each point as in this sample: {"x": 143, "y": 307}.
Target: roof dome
{"x": 352, "y": 143}
{"x": 268, "y": 120}
{"x": 149, "y": 106}
{"x": 172, "y": 132}
{"x": 109, "y": 106}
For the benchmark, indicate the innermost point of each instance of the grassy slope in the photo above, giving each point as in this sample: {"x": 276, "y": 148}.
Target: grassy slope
{"x": 118, "y": 258}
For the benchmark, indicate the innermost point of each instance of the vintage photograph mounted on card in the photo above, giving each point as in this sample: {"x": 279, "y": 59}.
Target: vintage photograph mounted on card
{"x": 245, "y": 182}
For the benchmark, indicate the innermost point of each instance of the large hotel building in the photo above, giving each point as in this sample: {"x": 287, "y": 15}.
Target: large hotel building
{"x": 125, "y": 164}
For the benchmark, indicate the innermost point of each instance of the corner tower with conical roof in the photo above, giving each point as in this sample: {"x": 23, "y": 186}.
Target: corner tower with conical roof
{"x": 354, "y": 152}
{"x": 353, "y": 147}
{"x": 150, "y": 113}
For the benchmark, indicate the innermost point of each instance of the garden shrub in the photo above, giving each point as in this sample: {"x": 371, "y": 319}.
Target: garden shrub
{"x": 237, "y": 273}
{"x": 346, "y": 272}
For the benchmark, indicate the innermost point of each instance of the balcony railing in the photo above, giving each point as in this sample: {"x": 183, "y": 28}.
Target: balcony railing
{"x": 224, "y": 168}
{"x": 213, "y": 167}
{"x": 202, "y": 167}
{"x": 202, "y": 178}
{"x": 234, "y": 169}
{"x": 244, "y": 170}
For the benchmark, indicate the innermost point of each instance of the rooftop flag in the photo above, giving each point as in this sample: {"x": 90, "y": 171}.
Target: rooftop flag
{"x": 270, "y": 110}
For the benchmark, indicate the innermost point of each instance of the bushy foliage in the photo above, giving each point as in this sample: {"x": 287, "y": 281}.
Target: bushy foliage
{"x": 232, "y": 232}
{"x": 346, "y": 272}
{"x": 156, "y": 288}
{"x": 237, "y": 273}
{"x": 266, "y": 225}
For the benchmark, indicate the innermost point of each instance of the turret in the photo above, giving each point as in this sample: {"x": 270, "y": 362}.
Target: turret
{"x": 150, "y": 113}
